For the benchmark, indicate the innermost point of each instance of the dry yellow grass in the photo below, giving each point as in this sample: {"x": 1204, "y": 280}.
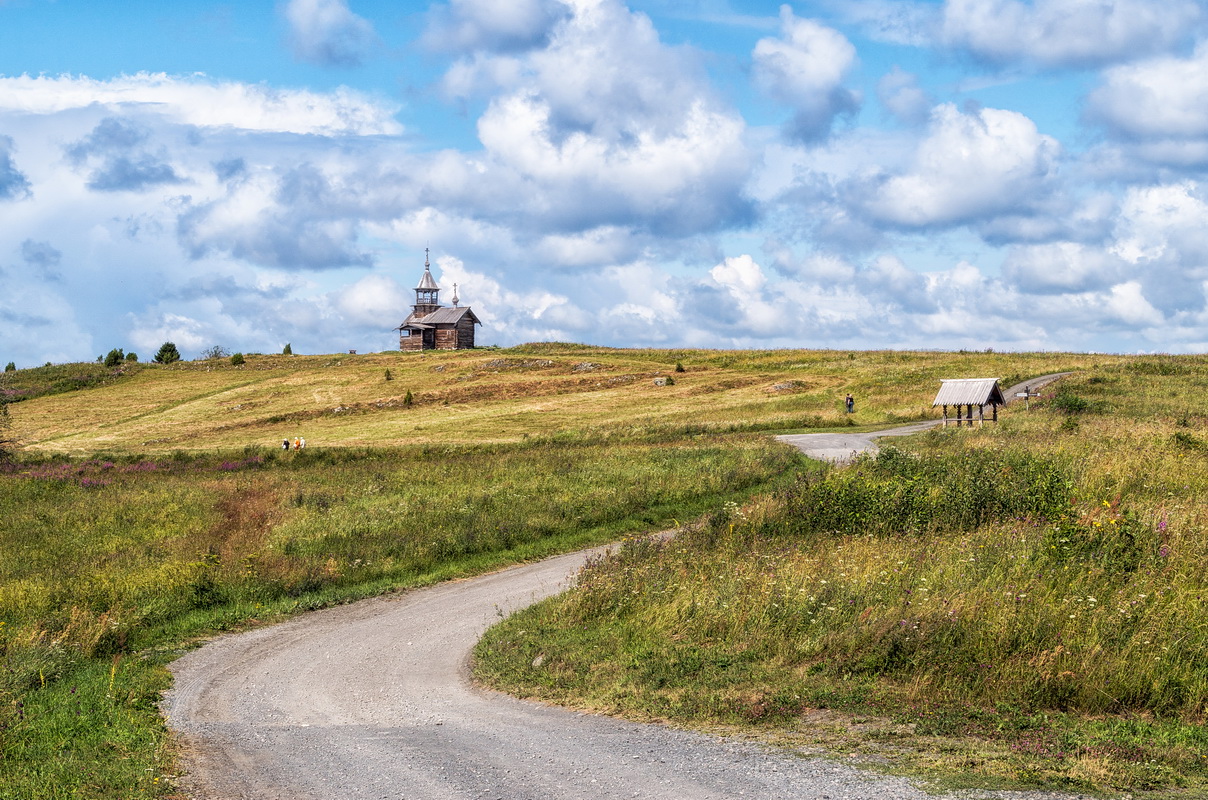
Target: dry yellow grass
{"x": 496, "y": 395}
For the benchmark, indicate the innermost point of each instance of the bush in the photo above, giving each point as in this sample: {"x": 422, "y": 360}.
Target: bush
{"x": 168, "y": 354}
{"x": 408, "y": 399}
{"x": 389, "y": 377}
{"x": 131, "y": 358}
{"x": 215, "y": 352}
{"x": 679, "y": 366}
{"x": 287, "y": 350}
{"x": 114, "y": 357}
{"x": 10, "y": 367}
{"x": 237, "y": 360}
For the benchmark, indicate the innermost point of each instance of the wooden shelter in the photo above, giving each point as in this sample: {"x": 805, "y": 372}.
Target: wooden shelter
{"x": 970, "y": 392}
{"x": 431, "y": 326}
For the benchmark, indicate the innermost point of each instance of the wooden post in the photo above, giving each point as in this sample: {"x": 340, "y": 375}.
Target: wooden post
{"x": 981, "y": 415}
{"x": 945, "y": 415}
{"x": 994, "y": 409}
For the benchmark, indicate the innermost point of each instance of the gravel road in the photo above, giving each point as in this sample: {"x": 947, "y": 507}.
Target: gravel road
{"x": 841, "y": 448}
{"x": 373, "y": 700}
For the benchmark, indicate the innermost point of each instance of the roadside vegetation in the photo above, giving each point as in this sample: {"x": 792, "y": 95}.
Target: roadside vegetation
{"x": 1021, "y": 604}
{"x": 149, "y": 506}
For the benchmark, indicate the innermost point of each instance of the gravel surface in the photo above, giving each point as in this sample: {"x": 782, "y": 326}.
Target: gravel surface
{"x": 373, "y": 700}
{"x": 841, "y": 448}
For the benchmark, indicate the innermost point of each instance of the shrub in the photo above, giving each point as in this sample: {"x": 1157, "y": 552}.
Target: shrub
{"x": 237, "y": 360}
{"x": 408, "y": 399}
{"x": 1069, "y": 402}
{"x": 168, "y": 354}
{"x": 114, "y": 357}
{"x": 131, "y": 358}
{"x": 679, "y": 366}
{"x": 389, "y": 377}
{"x": 10, "y": 367}
{"x": 287, "y": 350}
{"x": 215, "y": 352}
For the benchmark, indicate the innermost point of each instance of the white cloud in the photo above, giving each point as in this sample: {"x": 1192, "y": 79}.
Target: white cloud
{"x": 901, "y": 95}
{"x": 1160, "y": 104}
{"x": 1061, "y": 267}
{"x": 969, "y": 166}
{"x": 373, "y": 300}
{"x": 805, "y": 68}
{"x": 491, "y": 25}
{"x": 1056, "y": 33}
{"x": 201, "y": 101}
{"x": 326, "y": 32}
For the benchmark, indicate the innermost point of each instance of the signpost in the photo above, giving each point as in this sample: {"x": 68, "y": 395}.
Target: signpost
{"x": 1027, "y": 394}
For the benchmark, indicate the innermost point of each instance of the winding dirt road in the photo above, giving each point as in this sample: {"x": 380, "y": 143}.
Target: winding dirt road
{"x": 374, "y": 700}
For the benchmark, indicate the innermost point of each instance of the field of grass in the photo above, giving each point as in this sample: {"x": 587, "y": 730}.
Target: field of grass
{"x": 149, "y": 505}
{"x": 1021, "y": 604}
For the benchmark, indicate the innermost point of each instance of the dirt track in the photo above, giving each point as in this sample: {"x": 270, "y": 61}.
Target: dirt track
{"x": 373, "y": 700}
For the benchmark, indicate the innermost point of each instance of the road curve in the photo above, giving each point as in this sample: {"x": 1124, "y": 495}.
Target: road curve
{"x": 840, "y": 448}
{"x": 374, "y": 700}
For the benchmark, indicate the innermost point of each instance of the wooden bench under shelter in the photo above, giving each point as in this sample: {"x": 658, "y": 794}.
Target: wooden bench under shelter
{"x": 970, "y": 392}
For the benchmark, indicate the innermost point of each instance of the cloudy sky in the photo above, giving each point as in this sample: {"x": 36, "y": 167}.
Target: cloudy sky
{"x": 1015, "y": 174}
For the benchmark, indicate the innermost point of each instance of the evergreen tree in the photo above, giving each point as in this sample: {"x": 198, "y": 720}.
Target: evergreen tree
{"x": 287, "y": 350}
{"x": 114, "y": 357}
{"x": 132, "y": 358}
{"x": 10, "y": 367}
{"x": 167, "y": 354}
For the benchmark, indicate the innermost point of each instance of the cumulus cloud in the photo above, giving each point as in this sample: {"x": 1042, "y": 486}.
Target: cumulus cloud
{"x": 42, "y": 258}
{"x": 118, "y": 159}
{"x": 1159, "y": 105}
{"x": 206, "y": 103}
{"x": 294, "y": 218}
{"x": 970, "y": 166}
{"x": 1063, "y": 33}
{"x": 327, "y": 33}
{"x": 1160, "y": 233}
{"x": 373, "y": 301}
{"x": 804, "y": 68}
{"x": 13, "y": 183}
{"x": 901, "y": 95}
{"x": 606, "y": 126}
{"x": 468, "y": 25}
{"x": 1061, "y": 268}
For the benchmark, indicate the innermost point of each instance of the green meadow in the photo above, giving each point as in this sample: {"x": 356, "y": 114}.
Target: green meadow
{"x": 1016, "y": 603}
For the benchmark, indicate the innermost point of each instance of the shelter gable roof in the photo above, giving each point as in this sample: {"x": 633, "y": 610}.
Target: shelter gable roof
{"x": 969, "y": 391}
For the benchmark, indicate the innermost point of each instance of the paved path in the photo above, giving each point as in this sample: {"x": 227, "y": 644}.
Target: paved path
{"x": 841, "y": 448}
{"x": 373, "y": 700}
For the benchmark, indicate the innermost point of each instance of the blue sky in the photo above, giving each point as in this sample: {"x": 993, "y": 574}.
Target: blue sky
{"x": 1015, "y": 174}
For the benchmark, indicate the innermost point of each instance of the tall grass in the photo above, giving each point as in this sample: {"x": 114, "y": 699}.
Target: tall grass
{"x": 112, "y": 562}
{"x": 1038, "y": 586}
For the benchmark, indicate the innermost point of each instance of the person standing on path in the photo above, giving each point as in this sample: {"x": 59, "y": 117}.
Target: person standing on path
{"x": 850, "y": 403}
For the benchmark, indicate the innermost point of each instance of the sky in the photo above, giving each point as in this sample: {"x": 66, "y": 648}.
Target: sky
{"x": 855, "y": 174}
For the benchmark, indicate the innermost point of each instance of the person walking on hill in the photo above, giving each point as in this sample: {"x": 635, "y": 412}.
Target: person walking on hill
{"x": 285, "y": 444}
{"x": 850, "y": 403}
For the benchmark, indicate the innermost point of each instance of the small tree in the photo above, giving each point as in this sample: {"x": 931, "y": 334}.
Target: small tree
{"x": 287, "y": 350}
{"x": 131, "y": 358}
{"x": 10, "y": 367}
{"x": 215, "y": 352}
{"x": 408, "y": 399}
{"x": 114, "y": 357}
{"x": 389, "y": 377}
{"x": 679, "y": 366}
{"x": 167, "y": 354}
{"x": 237, "y": 360}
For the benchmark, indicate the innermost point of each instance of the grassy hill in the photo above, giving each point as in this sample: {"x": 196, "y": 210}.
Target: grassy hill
{"x": 150, "y": 505}
{"x": 481, "y": 396}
